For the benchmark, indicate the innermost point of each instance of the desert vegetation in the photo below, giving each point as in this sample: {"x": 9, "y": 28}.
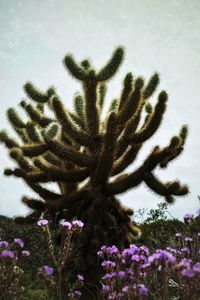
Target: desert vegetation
{"x": 87, "y": 244}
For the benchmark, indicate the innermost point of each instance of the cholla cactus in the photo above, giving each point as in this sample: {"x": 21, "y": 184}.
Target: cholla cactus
{"x": 87, "y": 155}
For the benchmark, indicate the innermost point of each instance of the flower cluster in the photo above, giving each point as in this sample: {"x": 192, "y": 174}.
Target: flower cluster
{"x": 124, "y": 272}
{"x": 135, "y": 273}
{"x": 188, "y": 217}
{"x": 10, "y": 273}
{"x": 75, "y": 292}
{"x": 52, "y": 275}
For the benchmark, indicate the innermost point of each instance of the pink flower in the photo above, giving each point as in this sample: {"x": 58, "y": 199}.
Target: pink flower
{"x": 112, "y": 249}
{"x": 178, "y": 234}
{"x": 80, "y": 277}
{"x": 196, "y": 267}
{"x": 19, "y": 242}
{"x": 143, "y": 291}
{"x": 188, "y": 273}
{"x": 42, "y": 222}
{"x": 188, "y": 239}
{"x": 25, "y": 253}
{"x": 4, "y": 244}
{"x": 77, "y": 224}
{"x": 188, "y": 217}
{"x": 48, "y": 270}
{"x": 8, "y": 254}
{"x": 66, "y": 224}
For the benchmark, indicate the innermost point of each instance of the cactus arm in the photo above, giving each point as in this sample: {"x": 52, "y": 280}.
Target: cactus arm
{"x": 74, "y": 69}
{"x": 22, "y": 135}
{"x": 7, "y": 141}
{"x": 92, "y": 113}
{"x": 164, "y": 189}
{"x": 177, "y": 142}
{"x": 52, "y": 159}
{"x": 34, "y": 203}
{"x": 33, "y": 133}
{"x": 69, "y": 127}
{"x": 128, "y": 181}
{"x": 23, "y": 162}
{"x": 130, "y": 128}
{"x": 31, "y": 177}
{"x": 79, "y": 106}
{"x": 67, "y": 153}
{"x": 124, "y": 182}
{"x": 131, "y": 106}
{"x": 51, "y": 174}
{"x": 112, "y": 65}
{"x": 154, "y": 121}
{"x": 151, "y": 86}
{"x": 114, "y": 105}
{"x": 126, "y": 159}
{"x": 62, "y": 175}
{"x": 105, "y": 164}
{"x": 40, "y": 107}
{"x": 127, "y": 88}
{"x": 15, "y": 119}
{"x": 77, "y": 120}
{"x": 36, "y": 95}
{"x": 36, "y": 115}
{"x": 34, "y": 150}
{"x": 43, "y": 192}
{"x": 101, "y": 95}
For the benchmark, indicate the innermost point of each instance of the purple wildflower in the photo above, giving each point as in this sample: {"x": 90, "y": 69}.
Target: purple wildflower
{"x": 80, "y": 277}
{"x": 78, "y": 293}
{"x": 125, "y": 289}
{"x": 78, "y": 224}
{"x": 185, "y": 250}
{"x": 19, "y": 242}
{"x": 134, "y": 249}
{"x": 105, "y": 288}
{"x": 121, "y": 274}
{"x": 66, "y": 224}
{"x": 48, "y": 270}
{"x": 7, "y": 254}
{"x": 184, "y": 263}
{"x": 4, "y": 244}
{"x": 108, "y": 264}
{"x": 172, "y": 250}
{"x": 162, "y": 256}
{"x": 178, "y": 234}
{"x": 103, "y": 247}
{"x": 188, "y": 239}
{"x": 100, "y": 253}
{"x": 143, "y": 291}
{"x": 136, "y": 258}
{"x": 108, "y": 276}
{"x": 25, "y": 253}
{"x": 144, "y": 250}
{"x": 144, "y": 266}
{"x": 188, "y": 217}
{"x": 42, "y": 222}
{"x": 112, "y": 249}
{"x": 196, "y": 267}
{"x": 188, "y": 273}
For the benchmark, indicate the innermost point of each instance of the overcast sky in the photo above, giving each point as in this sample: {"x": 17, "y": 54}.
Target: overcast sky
{"x": 158, "y": 35}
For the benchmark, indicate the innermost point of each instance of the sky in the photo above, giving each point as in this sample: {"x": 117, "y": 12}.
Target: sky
{"x": 158, "y": 35}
